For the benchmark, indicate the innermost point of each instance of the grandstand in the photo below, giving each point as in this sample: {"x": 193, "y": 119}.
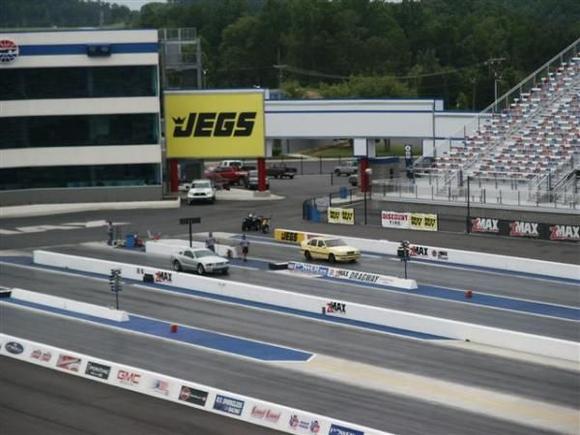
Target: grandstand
{"x": 528, "y": 141}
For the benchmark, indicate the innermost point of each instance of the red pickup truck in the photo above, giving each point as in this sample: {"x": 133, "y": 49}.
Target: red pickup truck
{"x": 230, "y": 174}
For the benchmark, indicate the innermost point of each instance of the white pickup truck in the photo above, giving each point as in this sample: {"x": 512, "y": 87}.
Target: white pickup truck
{"x": 348, "y": 168}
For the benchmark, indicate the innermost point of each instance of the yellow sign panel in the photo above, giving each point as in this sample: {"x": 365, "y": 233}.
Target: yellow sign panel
{"x": 424, "y": 221}
{"x": 338, "y": 215}
{"x": 214, "y": 124}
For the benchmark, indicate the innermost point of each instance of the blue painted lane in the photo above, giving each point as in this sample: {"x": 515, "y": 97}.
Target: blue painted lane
{"x": 185, "y": 334}
{"x": 243, "y": 302}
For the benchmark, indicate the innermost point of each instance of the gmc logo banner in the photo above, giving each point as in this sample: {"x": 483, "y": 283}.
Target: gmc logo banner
{"x": 526, "y": 229}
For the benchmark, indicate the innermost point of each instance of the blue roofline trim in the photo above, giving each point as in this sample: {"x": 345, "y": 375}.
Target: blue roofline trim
{"x": 81, "y": 49}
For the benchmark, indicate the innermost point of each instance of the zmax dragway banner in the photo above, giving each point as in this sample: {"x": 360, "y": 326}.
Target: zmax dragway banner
{"x": 214, "y": 124}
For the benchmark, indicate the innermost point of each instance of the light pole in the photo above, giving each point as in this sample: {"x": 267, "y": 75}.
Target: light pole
{"x": 467, "y": 218}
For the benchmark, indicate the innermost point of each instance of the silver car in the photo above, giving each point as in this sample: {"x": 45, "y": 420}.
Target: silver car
{"x": 201, "y": 261}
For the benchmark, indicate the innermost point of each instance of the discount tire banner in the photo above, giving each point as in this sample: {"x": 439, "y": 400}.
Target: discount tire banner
{"x": 413, "y": 221}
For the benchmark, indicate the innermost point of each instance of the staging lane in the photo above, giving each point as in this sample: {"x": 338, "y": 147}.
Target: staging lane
{"x": 375, "y": 409}
{"x": 401, "y": 300}
{"x": 381, "y": 350}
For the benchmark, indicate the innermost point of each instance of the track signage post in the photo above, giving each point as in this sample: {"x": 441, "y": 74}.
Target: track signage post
{"x": 189, "y": 221}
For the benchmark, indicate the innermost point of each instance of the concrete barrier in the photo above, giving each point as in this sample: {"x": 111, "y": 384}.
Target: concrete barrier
{"x": 168, "y": 247}
{"x": 519, "y": 341}
{"x": 70, "y": 305}
{"x": 422, "y": 252}
{"x": 180, "y": 391}
{"x": 352, "y": 275}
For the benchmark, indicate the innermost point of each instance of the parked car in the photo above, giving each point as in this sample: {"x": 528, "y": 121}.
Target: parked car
{"x": 230, "y": 174}
{"x": 201, "y": 261}
{"x": 281, "y": 171}
{"x": 237, "y": 163}
{"x": 201, "y": 190}
{"x": 348, "y": 168}
{"x": 329, "y": 248}
{"x": 252, "y": 180}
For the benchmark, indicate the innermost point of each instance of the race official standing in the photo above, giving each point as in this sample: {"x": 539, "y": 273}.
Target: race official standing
{"x": 245, "y": 245}
{"x": 210, "y": 242}
{"x": 110, "y": 232}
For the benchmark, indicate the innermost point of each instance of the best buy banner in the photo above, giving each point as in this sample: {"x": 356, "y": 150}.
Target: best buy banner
{"x": 214, "y": 124}
{"x": 423, "y": 221}
{"x": 340, "y": 215}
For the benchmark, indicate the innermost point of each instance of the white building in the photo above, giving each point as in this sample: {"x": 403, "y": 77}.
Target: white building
{"x": 79, "y": 116}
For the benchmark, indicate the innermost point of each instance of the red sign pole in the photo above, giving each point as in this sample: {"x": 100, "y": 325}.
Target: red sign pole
{"x": 261, "y": 174}
{"x": 173, "y": 175}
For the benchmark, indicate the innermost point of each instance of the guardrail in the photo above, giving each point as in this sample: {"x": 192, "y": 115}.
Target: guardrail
{"x": 287, "y": 300}
{"x": 422, "y": 252}
{"x": 180, "y": 391}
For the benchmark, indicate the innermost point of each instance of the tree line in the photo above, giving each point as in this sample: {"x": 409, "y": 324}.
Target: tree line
{"x": 359, "y": 48}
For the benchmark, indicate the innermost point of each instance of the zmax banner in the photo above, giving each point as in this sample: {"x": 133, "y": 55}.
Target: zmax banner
{"x": 214, "y": 124}
{"x": 527, "y": 229}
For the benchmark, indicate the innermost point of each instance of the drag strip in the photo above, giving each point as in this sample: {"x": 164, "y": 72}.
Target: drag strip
{"x": 373, "y": 408}
{"x": 411, "y": 301}
{"x": 425, "y": 358}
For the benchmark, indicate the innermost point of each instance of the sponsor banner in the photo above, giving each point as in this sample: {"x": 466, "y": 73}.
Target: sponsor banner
{"x": 129, "y": 378}
{"x": 289, "y": 236}
{"x": 336, "y": 429}
{"x": 228, "y": 404}
{"x": 309, "y": 268}
{"x": 423, "y": 221}
{"x": 565, "y": 232}
{"x": 335, "y": 307}
{"x": 428, "y": 253}
{"x": 353, "y": 275}
{"x": 485, "y": 225}
{"x": 193, "y": 395}
{"x": 14, "y": 347}
{"x": 394, "y": 219}
{"x": 525, "y": 229}
{"x": 98, "y": 370}
{"x": 303, "y": 425}
{"x": 266, "y": 414}
{"x": 214, "y": 124}
{"x": 41, "y": 355}
{"x": 337, "y": 215}
{"x": 69, "y": 362}
{"x": 159, "y": 386}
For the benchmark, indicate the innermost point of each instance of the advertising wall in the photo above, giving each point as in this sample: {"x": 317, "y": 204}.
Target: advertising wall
{"x": 526, "y": 229}
{"x": 210, "y": 124}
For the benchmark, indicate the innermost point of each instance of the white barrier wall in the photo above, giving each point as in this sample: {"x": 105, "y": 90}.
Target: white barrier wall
{"x": 194, "y": 395}
{"x": 457, "y": 256}
{"x": 168, "y": 247}
{"x": 341, "y": 309}
{"x": 70, "y": 305}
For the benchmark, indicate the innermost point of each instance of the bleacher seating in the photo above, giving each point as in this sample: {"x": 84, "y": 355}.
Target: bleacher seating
{"x": 538, "y": 134}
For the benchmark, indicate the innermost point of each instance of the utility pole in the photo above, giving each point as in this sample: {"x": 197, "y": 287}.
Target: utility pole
{"x": 495, "y": 68}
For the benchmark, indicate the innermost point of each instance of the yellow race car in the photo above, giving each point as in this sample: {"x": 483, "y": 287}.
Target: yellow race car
{"x": 329, "y": 248}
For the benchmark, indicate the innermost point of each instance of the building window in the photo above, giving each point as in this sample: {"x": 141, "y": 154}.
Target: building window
{"x": 93, "y": 82}
{"x": 80, "y": 176}
{"x": 79, "y": 130}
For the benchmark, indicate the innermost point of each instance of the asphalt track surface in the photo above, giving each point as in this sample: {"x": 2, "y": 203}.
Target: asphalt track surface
{"x": 374, "y": 408}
